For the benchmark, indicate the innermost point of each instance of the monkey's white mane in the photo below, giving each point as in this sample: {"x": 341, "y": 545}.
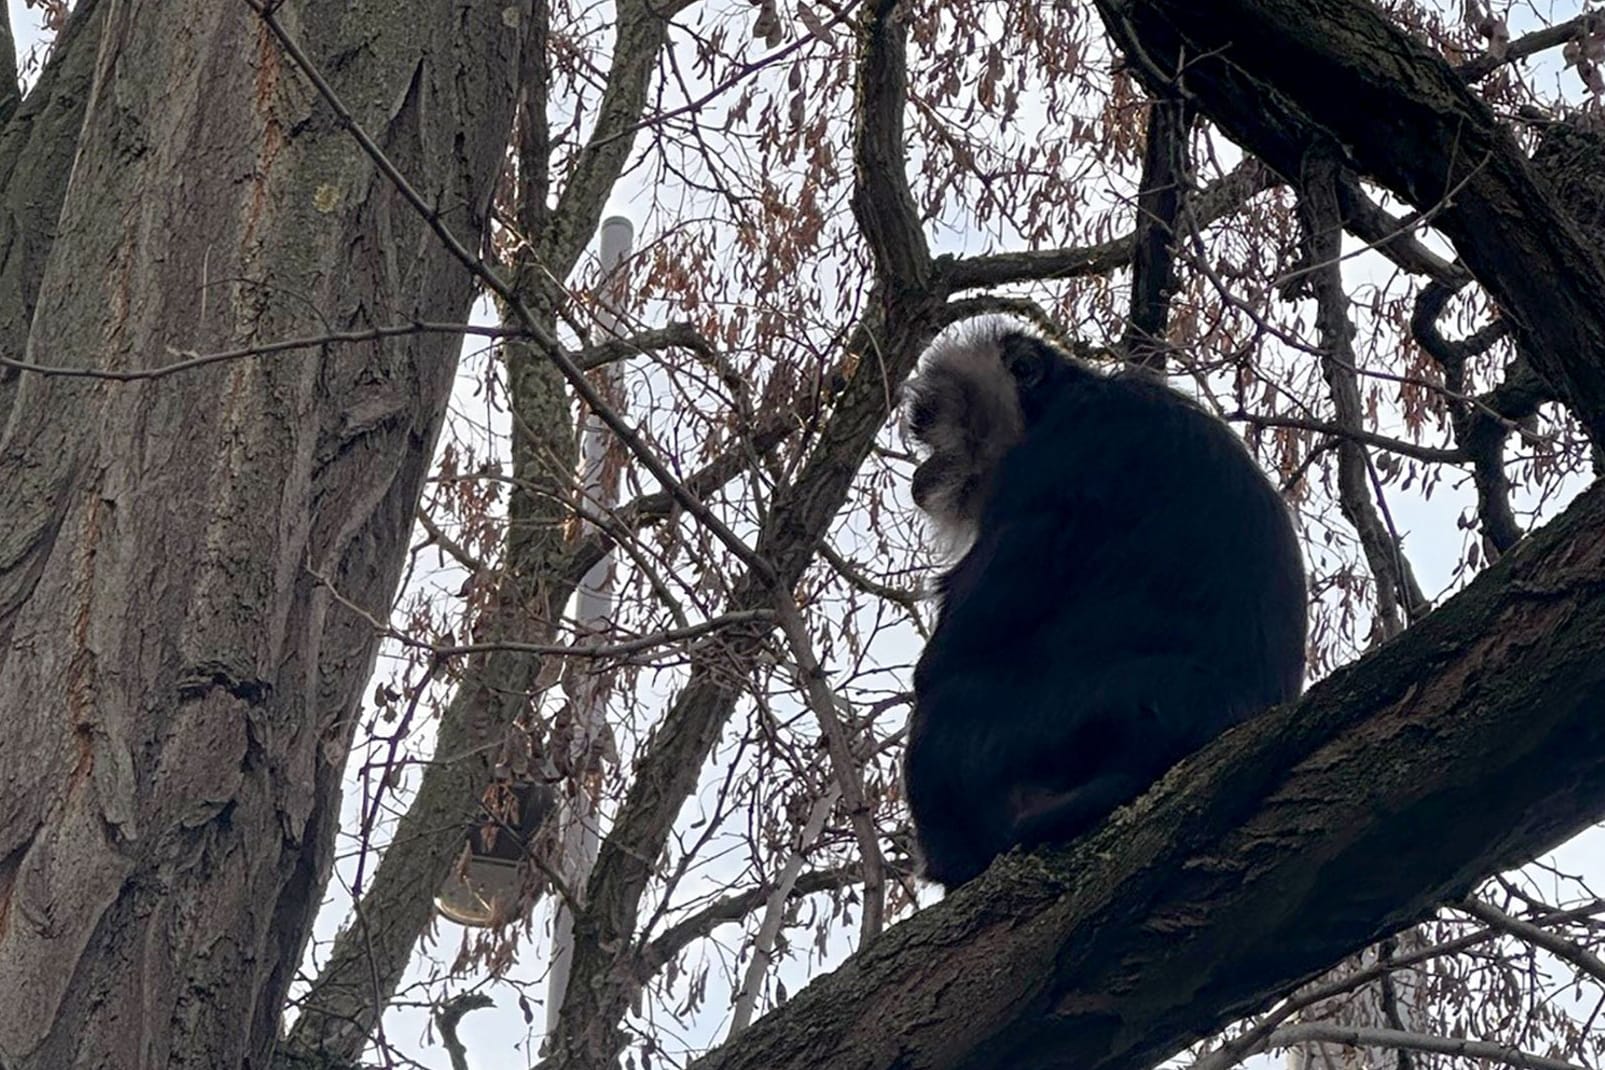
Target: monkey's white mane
{"x": 975, "y": 419}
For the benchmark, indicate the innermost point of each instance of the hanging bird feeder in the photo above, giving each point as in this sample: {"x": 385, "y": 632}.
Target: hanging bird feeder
{"x": 482, "y": 887}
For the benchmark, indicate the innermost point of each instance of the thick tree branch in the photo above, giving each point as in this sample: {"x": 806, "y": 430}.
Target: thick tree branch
{"x": 1164, "y": 181}
{"x": 641, "y": 30}
{"x": 882, "y": 201}
{"x": 1283, "y": 76}
{"x": 1480, "y": 432}
{"x": 1393, "y": 238}
{"x": 1214, "y": 893}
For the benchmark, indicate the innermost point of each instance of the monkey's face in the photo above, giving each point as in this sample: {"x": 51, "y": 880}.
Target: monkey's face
{"x": 963, "y": 412}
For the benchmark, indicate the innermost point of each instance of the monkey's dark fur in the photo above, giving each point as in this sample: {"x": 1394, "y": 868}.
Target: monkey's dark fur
{"x": 1131, "y": 588}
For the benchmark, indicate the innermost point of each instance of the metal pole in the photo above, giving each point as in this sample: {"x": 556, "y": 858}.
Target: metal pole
{"x": 579, "y": 836}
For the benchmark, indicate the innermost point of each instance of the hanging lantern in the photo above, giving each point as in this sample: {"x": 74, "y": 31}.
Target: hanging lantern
{"x": 483, "y": 886}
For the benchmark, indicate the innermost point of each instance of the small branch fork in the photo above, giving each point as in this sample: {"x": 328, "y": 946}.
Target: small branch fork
{"x": 1399, "y": 597}
{"x": 847, "y": 769}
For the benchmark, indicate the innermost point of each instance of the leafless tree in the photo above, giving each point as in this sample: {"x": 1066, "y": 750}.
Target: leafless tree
{"x": 289, "y": 536}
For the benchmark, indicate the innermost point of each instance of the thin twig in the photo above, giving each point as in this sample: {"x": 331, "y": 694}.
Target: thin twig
{"x": 191, "y": 360}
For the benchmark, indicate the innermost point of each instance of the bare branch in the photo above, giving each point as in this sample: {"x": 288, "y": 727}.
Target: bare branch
{"x": 847, "y": 769}
{"x": 654, "y": 508}
{"x": 763, "y": 944}
{"x": 740, "y": 73}
{"x": 1221, "y": 198}
{"x": 439, "y": 538}
{"x": 1399, "y": 598}
{"x": 681, "y": 335}
{"x": 189, "y": 360}
{"x": 882, "y": 201}
{"x": 448, "y": 1014}
{"x": 1527, "y": 45}
{"x": 1481, "y": 436}
{"x": 1258, "y": 1038}
{"x": 1326, "y": 1032}
{"x": 732, "y": 908}
{"x": 1393, "y": 238}
{"x": 568, "y": 650}
{"x": 1490, "y": 915}
{"x": 1164, "y": 180}
{"x": 1430, "y": 454}
{"x": 908, "y": 598}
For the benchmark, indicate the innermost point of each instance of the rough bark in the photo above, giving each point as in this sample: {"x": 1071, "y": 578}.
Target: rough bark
{"x": 537, "y": 575}
{"x": 37, "y": 146}
{"x": 178, "y": 681}
{"x": 1284, "y": 76}
{"x": 1466, "y": 746}
{"x": 10, "y": 96}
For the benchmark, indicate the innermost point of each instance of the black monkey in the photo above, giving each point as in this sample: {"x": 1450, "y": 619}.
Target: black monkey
{"x": 1131, "y": 586}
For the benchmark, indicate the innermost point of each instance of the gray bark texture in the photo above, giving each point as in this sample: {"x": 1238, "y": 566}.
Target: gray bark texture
{"x": 538, "y": 573}
{"x": 9, "y": 96}
{"x": 178, "y": 683}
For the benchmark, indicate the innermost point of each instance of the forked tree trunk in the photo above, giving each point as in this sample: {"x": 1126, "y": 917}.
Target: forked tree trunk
{"x": 178, "y": 683}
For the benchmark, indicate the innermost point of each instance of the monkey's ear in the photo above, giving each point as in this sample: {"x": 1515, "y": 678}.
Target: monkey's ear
{"x": 1025, "y": 358}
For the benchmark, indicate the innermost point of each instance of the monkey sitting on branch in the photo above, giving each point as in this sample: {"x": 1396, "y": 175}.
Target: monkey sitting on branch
{"x": 1130, "y": 586}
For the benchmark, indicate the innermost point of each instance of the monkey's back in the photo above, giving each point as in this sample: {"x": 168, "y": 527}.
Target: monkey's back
{"x": 1135, "y": 587}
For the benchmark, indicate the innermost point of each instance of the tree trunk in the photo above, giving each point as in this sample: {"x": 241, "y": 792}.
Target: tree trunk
{"x": 180, "y": 659}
